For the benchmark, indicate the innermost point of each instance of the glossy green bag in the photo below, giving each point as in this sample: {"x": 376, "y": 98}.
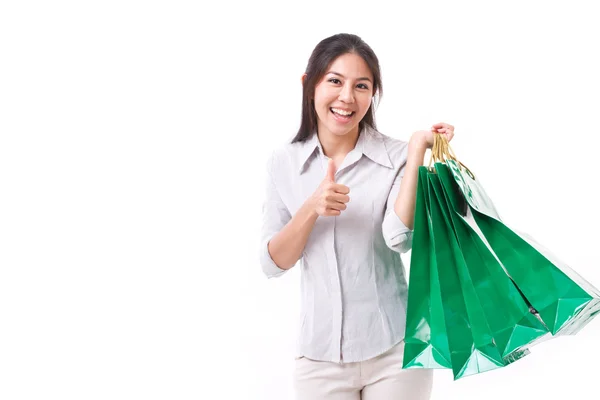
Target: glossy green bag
{"x": 425, "y": 339}
{"x": 514, "y": 327}
{"x": 476, "y": 286}
{"x": 472, "y": 346}
{"x": 438, "y": 270}
{"x": 591, "y": 309}
{"x": 564, "y": 300}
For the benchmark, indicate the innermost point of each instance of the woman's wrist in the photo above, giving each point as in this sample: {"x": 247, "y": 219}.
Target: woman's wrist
{"x": 417, "y": 147}
{"x": 309, "y": 209}
{"x": 418, "y": 142}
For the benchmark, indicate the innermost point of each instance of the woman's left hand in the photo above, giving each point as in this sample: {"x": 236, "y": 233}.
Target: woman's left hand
{"x": 426, "y": 137}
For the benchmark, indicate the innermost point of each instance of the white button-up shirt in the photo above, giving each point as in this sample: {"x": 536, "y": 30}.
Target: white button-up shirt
{"x": 353, "y": 285}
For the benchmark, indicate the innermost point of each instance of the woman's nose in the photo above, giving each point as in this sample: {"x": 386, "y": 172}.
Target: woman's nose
{"x": 346, "y": 94}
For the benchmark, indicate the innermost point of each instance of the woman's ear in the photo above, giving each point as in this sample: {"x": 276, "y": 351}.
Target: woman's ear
{"x": 303, "y": 78}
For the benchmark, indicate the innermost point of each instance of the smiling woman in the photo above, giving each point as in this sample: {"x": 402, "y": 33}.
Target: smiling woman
{"x": 344, "y": 67}
{"x": 340, "y": 198}
{"x": 345, "y": 96}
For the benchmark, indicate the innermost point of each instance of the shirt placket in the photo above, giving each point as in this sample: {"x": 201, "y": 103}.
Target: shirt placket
{"x": 334, "y": 274}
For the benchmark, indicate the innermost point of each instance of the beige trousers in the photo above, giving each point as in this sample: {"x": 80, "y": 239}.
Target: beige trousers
{"x": 379, "y": 378}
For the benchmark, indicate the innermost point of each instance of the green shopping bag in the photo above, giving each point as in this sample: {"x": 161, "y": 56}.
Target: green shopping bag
{"x": 591, "y": 309}
{"x": 561, "y": 302}
{"x": 425, "y": 340}
{"x": 472, "y": 346}
{"x": 426, "y": 337}
{"x": 513, "y": 326}
{"x": 565, "y": 301}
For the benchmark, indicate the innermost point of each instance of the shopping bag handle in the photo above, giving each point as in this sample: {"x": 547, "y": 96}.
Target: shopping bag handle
{"x": 442, "y": 151}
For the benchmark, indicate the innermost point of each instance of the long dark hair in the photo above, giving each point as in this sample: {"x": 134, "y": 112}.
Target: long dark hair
{"x": 322, "y": 56}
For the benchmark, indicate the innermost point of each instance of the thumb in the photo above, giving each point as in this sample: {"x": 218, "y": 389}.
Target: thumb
{"x": 330, "y": 170}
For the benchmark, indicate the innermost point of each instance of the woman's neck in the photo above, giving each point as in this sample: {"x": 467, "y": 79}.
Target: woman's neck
{"x": 337, "y": 146}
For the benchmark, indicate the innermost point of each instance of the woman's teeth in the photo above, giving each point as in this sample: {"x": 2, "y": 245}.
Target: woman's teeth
{"x": 342, "y": 112}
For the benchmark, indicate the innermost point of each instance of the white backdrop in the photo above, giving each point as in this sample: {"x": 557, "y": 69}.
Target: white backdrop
{"x": 134, "y": 137}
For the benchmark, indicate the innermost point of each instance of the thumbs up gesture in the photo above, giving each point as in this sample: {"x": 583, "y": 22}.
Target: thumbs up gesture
{"x": 330, "y": 198}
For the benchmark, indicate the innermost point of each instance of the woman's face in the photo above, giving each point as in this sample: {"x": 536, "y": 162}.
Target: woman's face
{"x": 346, "y": 87}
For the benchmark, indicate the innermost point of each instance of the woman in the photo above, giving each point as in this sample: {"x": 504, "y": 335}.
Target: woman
{"x": 341, "y": 198}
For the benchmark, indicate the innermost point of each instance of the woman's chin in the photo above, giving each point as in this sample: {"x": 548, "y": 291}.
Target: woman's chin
{"x": 343, "y": 132}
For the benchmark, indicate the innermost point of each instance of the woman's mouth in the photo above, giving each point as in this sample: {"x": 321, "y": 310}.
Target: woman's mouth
{"x": 341, "y": 115}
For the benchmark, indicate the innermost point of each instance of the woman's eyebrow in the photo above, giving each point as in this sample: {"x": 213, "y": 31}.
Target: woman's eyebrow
{"x": 359, "y": 79}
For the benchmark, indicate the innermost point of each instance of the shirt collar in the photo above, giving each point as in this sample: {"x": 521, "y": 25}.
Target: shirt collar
{"x": 307, "y": 150}
{"x": 370, "y": 143}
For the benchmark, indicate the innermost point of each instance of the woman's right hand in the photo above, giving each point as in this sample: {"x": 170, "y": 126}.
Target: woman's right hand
{"x": 330, "y": 198}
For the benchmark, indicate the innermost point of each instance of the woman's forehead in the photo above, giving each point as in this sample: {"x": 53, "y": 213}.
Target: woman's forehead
{"x": 350, "y": 65}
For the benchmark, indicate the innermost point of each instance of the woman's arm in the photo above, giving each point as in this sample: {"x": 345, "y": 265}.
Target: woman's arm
{"x": 285, "y": 236}
{"x": 418, "y": 144}
{"x": 287, "y": 245}
{"x": 405, "y": 202}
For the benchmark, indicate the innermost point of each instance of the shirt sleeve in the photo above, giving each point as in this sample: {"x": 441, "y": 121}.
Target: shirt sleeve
{"x": 274, "y": 217}
{"x": 398, "y": 236}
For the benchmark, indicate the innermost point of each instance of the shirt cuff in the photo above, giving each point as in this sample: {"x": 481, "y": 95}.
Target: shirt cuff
{"x": 398, "y": 236}
{"x": 269, "y": 267}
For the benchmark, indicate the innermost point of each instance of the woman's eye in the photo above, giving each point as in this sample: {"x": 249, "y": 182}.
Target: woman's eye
{"x": 336, "y": 81}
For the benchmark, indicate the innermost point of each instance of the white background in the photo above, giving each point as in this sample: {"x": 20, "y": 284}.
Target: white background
{"x": 134, "y": 137}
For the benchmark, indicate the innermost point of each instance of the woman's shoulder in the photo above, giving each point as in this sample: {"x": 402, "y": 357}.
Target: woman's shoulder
{"x": 285, "y": 156}
{"x": 390, "y": 140}
{"x": 395, "y": 147}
